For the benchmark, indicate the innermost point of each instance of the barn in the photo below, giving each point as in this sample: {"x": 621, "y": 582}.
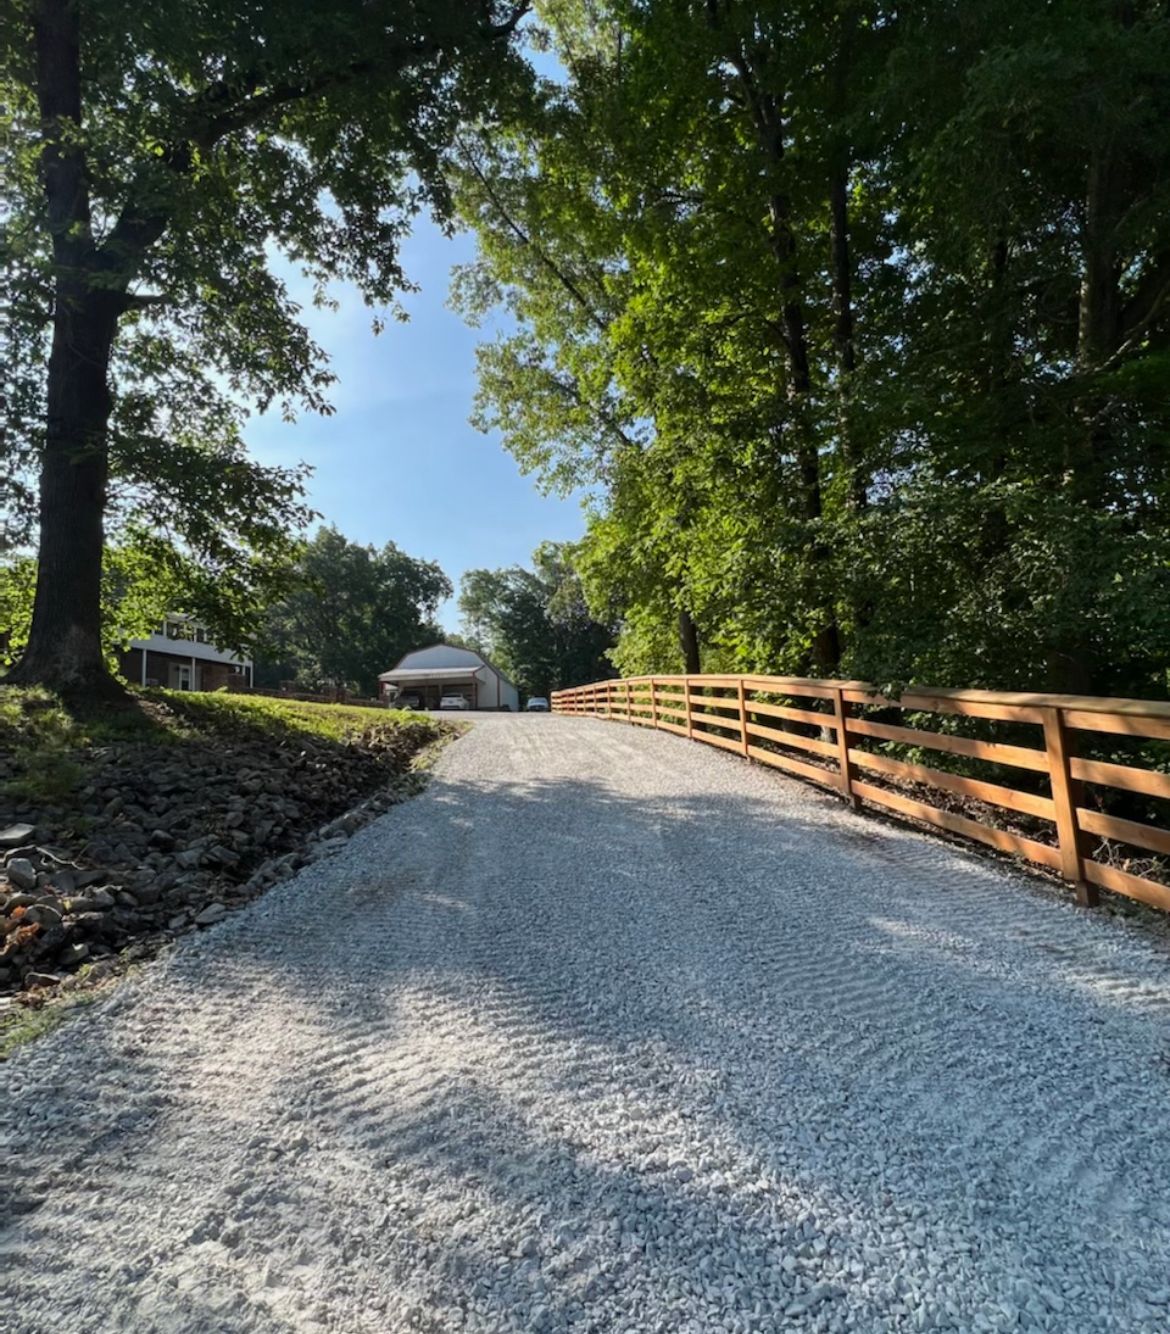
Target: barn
{"x": 442, "y": 669}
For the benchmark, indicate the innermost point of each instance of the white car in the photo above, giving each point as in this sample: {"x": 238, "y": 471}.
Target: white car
{"x": 454, "y": 702}
{"x": 537, "y": 704}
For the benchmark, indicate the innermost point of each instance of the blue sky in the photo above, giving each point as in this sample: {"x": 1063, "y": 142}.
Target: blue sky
{"x": 399, "y": 461}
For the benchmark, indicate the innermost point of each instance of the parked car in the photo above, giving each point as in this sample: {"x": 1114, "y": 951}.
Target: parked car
{"x": 406, "y": 702}
{"x": 537, "y": 704}
{"x": 454, "y": 702}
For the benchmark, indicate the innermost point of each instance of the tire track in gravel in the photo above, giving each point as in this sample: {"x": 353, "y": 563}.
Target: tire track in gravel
{"x": 608, "y": 1031}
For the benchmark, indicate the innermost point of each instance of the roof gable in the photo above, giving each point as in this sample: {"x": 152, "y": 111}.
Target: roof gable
{"x": 440, "y": 655}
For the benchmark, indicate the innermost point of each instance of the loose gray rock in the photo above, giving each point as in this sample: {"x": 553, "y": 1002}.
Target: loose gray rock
{"x": 16, "y": 835}
{"x": 24, "y": 900}
{"x": 86, "y": 904}
{"x": 22, "y": 873}
{"x": 214, "y": 912}
{"x": 41, "y": 979}
{"x": 73, "y": 954}
{"x": 64, "y": 882}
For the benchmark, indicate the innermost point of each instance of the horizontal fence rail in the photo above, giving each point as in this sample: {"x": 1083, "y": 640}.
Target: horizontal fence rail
{"x": 1064, "y": 781}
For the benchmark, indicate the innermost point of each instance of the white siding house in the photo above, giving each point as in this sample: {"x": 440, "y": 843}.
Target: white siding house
{"x": 443, "y": 669}
{"x": 181, "y": 655}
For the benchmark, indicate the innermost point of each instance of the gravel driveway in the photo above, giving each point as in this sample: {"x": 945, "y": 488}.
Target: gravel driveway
{"x": 610, "y": 1032}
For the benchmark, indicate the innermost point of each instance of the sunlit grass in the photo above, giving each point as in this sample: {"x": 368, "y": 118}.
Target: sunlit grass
{"x": 46, "y": 741}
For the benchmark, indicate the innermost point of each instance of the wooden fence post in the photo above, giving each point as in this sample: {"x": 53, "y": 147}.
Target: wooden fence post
{"x": 654, "y": 701}
{"x": 841, "y": 712}
{"x": 629, "y": 704}
{"x": 1066, "y": 796}
{"x": 743, "y": 735}
{"x": 687, "y": 701}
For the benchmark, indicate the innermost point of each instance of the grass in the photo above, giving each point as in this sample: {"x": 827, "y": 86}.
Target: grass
{"x": 337, "y": 722}
{"x": 22, "y": 1024}
{"x": 45, "y": 742}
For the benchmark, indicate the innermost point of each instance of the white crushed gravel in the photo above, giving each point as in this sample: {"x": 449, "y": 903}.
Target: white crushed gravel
{"x": 609, "y": 1032}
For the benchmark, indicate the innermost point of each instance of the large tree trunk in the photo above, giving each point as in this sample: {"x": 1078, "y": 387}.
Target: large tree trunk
{"x": 843, "y": 307}
{"x": 65, "y": 646}
{"x": 826, "y": 643}
{"x": 841, "y": 267}
{"x": 765, "y": 109}
{"x": 64, "y": 649}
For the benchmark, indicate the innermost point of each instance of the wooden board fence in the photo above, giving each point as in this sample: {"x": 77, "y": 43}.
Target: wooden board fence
{"x": 768, "y": 718}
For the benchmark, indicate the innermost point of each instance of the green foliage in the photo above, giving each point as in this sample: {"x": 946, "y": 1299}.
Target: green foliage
{"x": 351, "y": 613}
{"x": 854, "y": 319}
{"x": 534, "y": 624}
{"x": 20, "y": 1025}
{"x": 147, "y": 580}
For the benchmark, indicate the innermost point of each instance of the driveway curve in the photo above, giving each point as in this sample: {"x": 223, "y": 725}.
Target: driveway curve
{"x": 609, "y": 1032}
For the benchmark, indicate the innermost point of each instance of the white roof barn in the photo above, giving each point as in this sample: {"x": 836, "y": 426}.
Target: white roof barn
{"x": 442, "y": 669}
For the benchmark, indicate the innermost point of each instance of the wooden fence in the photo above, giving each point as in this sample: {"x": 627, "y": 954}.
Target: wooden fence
{"x": 1067, "y": 759}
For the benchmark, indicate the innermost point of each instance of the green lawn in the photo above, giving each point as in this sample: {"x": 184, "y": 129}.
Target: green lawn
{"x": 44, "y": 743}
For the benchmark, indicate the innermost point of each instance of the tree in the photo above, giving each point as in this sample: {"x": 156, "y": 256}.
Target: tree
{"x": 352, "y": 613}
{"x": 855, "y": 319}
{"x": 535, "y": 624}
{"x": 143, "y": 582}
{"x": 154, "y": 158}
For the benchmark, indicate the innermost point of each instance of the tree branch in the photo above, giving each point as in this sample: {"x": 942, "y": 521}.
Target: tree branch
{"x": 545, "y": 260}
{"x": 63, "y": 167}
{"x": 212, "y": 115}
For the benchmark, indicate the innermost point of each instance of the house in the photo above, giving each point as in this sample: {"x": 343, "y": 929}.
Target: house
{"x": 180, "y": 654}
{"x": 443, "y": 669}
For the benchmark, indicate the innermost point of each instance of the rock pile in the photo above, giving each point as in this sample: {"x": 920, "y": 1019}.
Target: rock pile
{"x": 160, "y": 838}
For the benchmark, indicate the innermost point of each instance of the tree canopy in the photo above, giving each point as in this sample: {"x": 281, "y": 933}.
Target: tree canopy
{"x": 351, "y": 613}
{"x": 155, "y": 159}
{"x": 855, "y": 320}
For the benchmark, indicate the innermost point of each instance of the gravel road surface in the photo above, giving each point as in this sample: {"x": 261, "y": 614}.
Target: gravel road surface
{"x": 610, "y": 1032}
